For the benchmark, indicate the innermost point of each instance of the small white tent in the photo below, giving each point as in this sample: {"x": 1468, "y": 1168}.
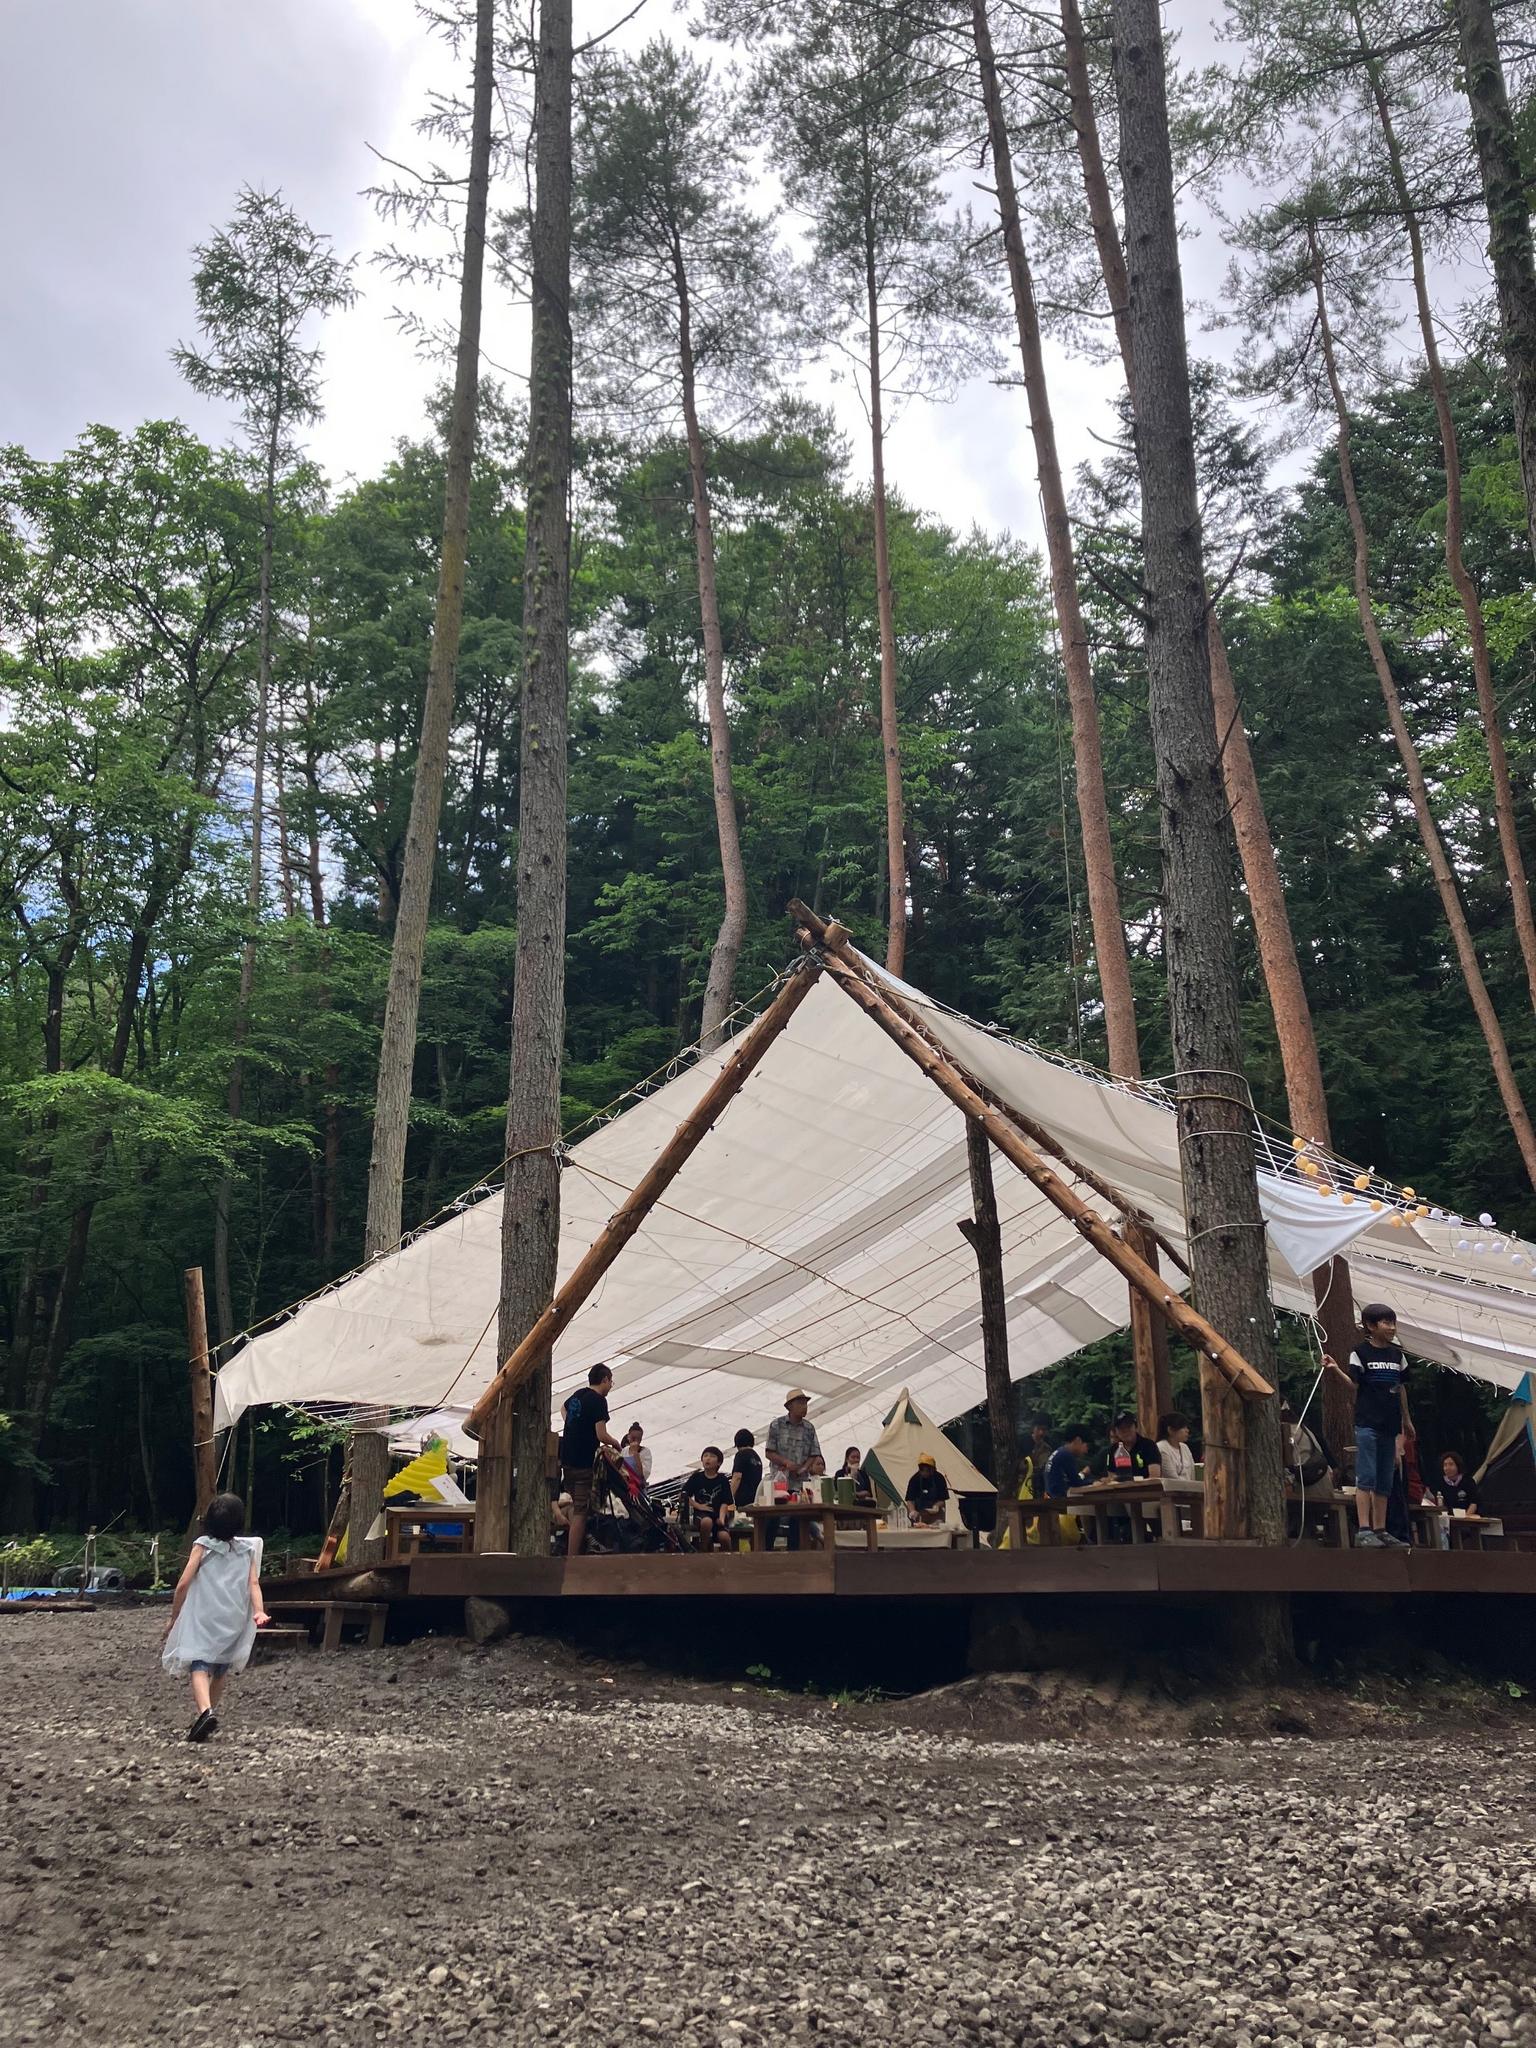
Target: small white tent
{"x": 811, "y": 1240}
{"x": 908, "y": 1432}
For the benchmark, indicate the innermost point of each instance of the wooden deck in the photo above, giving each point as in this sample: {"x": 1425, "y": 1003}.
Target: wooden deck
{"x": 1149, "y": 1571}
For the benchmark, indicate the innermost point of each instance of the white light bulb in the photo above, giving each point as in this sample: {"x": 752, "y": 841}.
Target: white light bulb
{"x": 1437, "y": 1215}
{"x": 1479, "y": 1246}
{"x": 1486, "y": 1220}
{"x": 1517, "y": 1258}
{"x": 1497, "y": 1246}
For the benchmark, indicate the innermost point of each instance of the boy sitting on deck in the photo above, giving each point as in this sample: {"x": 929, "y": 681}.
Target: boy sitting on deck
{"x": 708, "y": 1492}
{"x": 1378, "y": 1373}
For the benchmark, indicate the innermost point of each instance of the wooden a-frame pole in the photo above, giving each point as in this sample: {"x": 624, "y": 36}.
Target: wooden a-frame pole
{"x": 631, "y": 1213}
{"x": 831, "y": 943}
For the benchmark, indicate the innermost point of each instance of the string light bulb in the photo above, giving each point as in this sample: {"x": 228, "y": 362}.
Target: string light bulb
{"x": 1486, "y": 1220}
{"x": 1377, "y": 1207}
{"x": 1298, "y": 1144}
{"x": 1362, "y": 1180}
{"x": 1346, "y": 1198}
{"x": 1407, "y": 1194}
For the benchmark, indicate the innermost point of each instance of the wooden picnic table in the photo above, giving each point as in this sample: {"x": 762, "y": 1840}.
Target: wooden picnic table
{"x": 1466, "y": 1532}
{"x": 405, "y": 1527}
{"x": 828, "y": 1515}
{"x": 1107, "y": 1500}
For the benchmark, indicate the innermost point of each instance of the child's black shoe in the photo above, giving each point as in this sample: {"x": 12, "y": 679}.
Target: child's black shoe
{"x": 202, "y": 1727}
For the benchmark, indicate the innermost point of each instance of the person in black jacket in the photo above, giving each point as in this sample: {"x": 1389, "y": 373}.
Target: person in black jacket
{"x": 1456, "y": 1489}
{"x": 927, "y": 1491}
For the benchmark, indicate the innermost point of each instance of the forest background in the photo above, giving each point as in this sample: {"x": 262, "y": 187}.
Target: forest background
{"x": 185, "y": 1035}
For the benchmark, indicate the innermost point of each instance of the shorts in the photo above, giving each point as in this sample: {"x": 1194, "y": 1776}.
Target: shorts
{"x": 209, "y": 1670}
{"x": 578, "y": 1484}
{"x": 1375, "y": 1459}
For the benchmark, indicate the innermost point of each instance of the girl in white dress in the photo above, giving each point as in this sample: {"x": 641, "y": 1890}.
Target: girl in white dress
{"x": 217, "y": 1610}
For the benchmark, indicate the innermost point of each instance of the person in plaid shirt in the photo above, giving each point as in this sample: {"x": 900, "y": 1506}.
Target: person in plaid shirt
{"x": 791, "y": 1444}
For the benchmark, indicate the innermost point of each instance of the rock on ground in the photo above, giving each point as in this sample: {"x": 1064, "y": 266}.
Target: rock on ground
{"x": 437, "y": 1843}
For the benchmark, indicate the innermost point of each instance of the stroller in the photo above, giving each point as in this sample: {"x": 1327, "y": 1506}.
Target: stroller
{"x": 625, "y": 1517}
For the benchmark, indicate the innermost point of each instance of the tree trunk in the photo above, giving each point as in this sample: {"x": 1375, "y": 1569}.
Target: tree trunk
{"x": 397, "y": 1044}
{"x": 1455, "y": 562}
{"x": 718, "y": 991}
{"x": 223, "y": 1196}
{"x": 518, "y": 1436}
{"x": 205, "y": 1457}
{"x": 1306, "y": 1095}
{"x": 1509, "y": 227}
{"x": 1294, "y": 1033}
{"x": 985, "y": 1237}
{"x": 1101, "y": 205}
{"x": 1087, "y": 752}
{"x": 1149, "y": 1343}
{"x": 397, "y": 1047}
{"x": 330, "y": 1175}
{"x": 890, "y": 730}
{"x": 1429, "y": 831}
{"x": 1226, "y": 1228}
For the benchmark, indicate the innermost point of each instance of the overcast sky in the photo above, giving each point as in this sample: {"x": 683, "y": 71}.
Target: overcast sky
{"x": 128, "y": 126}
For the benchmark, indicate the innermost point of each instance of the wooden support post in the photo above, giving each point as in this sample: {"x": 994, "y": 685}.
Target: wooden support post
{"x": 1149, "y": 1343}
{"x": 632, "y": 1212}
{"x": 338, "y": 1523}
{"x": 205, "y": 1456}
{"x": 886, "y": 1009}
{"x": 984, "y": 1235}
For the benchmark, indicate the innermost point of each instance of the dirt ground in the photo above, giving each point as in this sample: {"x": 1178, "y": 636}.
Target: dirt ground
{"x": 437, "y": 1843}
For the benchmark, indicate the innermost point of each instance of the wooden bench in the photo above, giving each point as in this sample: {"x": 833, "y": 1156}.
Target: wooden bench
{"x": 335, "y": 1614}
{"x": 1333, "y": 1509}
{"x": 1012, "y": 1515}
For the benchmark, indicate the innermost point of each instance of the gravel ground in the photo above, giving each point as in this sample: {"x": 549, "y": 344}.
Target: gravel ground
{"x": 439, "y": 1844}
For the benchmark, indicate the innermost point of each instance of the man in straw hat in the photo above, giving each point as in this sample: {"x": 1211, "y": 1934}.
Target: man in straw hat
{"x": 790, "y": 1446}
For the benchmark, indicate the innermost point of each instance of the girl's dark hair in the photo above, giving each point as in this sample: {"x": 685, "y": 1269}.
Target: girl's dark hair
{"x": 852, "y": 1451}
{"x": 633, "y": 1427}
{"x": 1455, "y": 1458}
{"x": 1171, "y": 1421}
{"x": 225, "y": 1517}
{"x": 743, "y": 1439}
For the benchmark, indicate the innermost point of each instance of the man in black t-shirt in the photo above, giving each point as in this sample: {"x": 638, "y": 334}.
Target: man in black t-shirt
{"x": 1378, "y": 1372}
{"x": 585, "y": 1420}
{"x": 746, "y": 1470}
{"x": 708, "y": 1491}
{"x": 927, "y": 1491}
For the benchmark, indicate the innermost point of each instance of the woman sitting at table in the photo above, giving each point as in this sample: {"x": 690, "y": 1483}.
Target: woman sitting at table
{"x": 852, "y": 1468}
{"x": 1456, "y": 1490}
{"x": 1173, "y": 1451}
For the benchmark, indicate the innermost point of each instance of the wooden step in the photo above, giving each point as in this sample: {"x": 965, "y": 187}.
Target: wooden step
{"x": 335, "y": 1614}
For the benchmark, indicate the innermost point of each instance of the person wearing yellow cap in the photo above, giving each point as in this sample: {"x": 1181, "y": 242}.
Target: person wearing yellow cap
{"x": 927, "y": 1491}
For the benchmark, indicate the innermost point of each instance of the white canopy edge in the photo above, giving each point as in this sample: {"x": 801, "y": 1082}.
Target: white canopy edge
{"x": 811, "y": 1239}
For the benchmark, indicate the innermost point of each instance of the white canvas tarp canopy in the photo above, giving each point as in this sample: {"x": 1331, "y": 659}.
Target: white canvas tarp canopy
{"x": 811, "y": 1240}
